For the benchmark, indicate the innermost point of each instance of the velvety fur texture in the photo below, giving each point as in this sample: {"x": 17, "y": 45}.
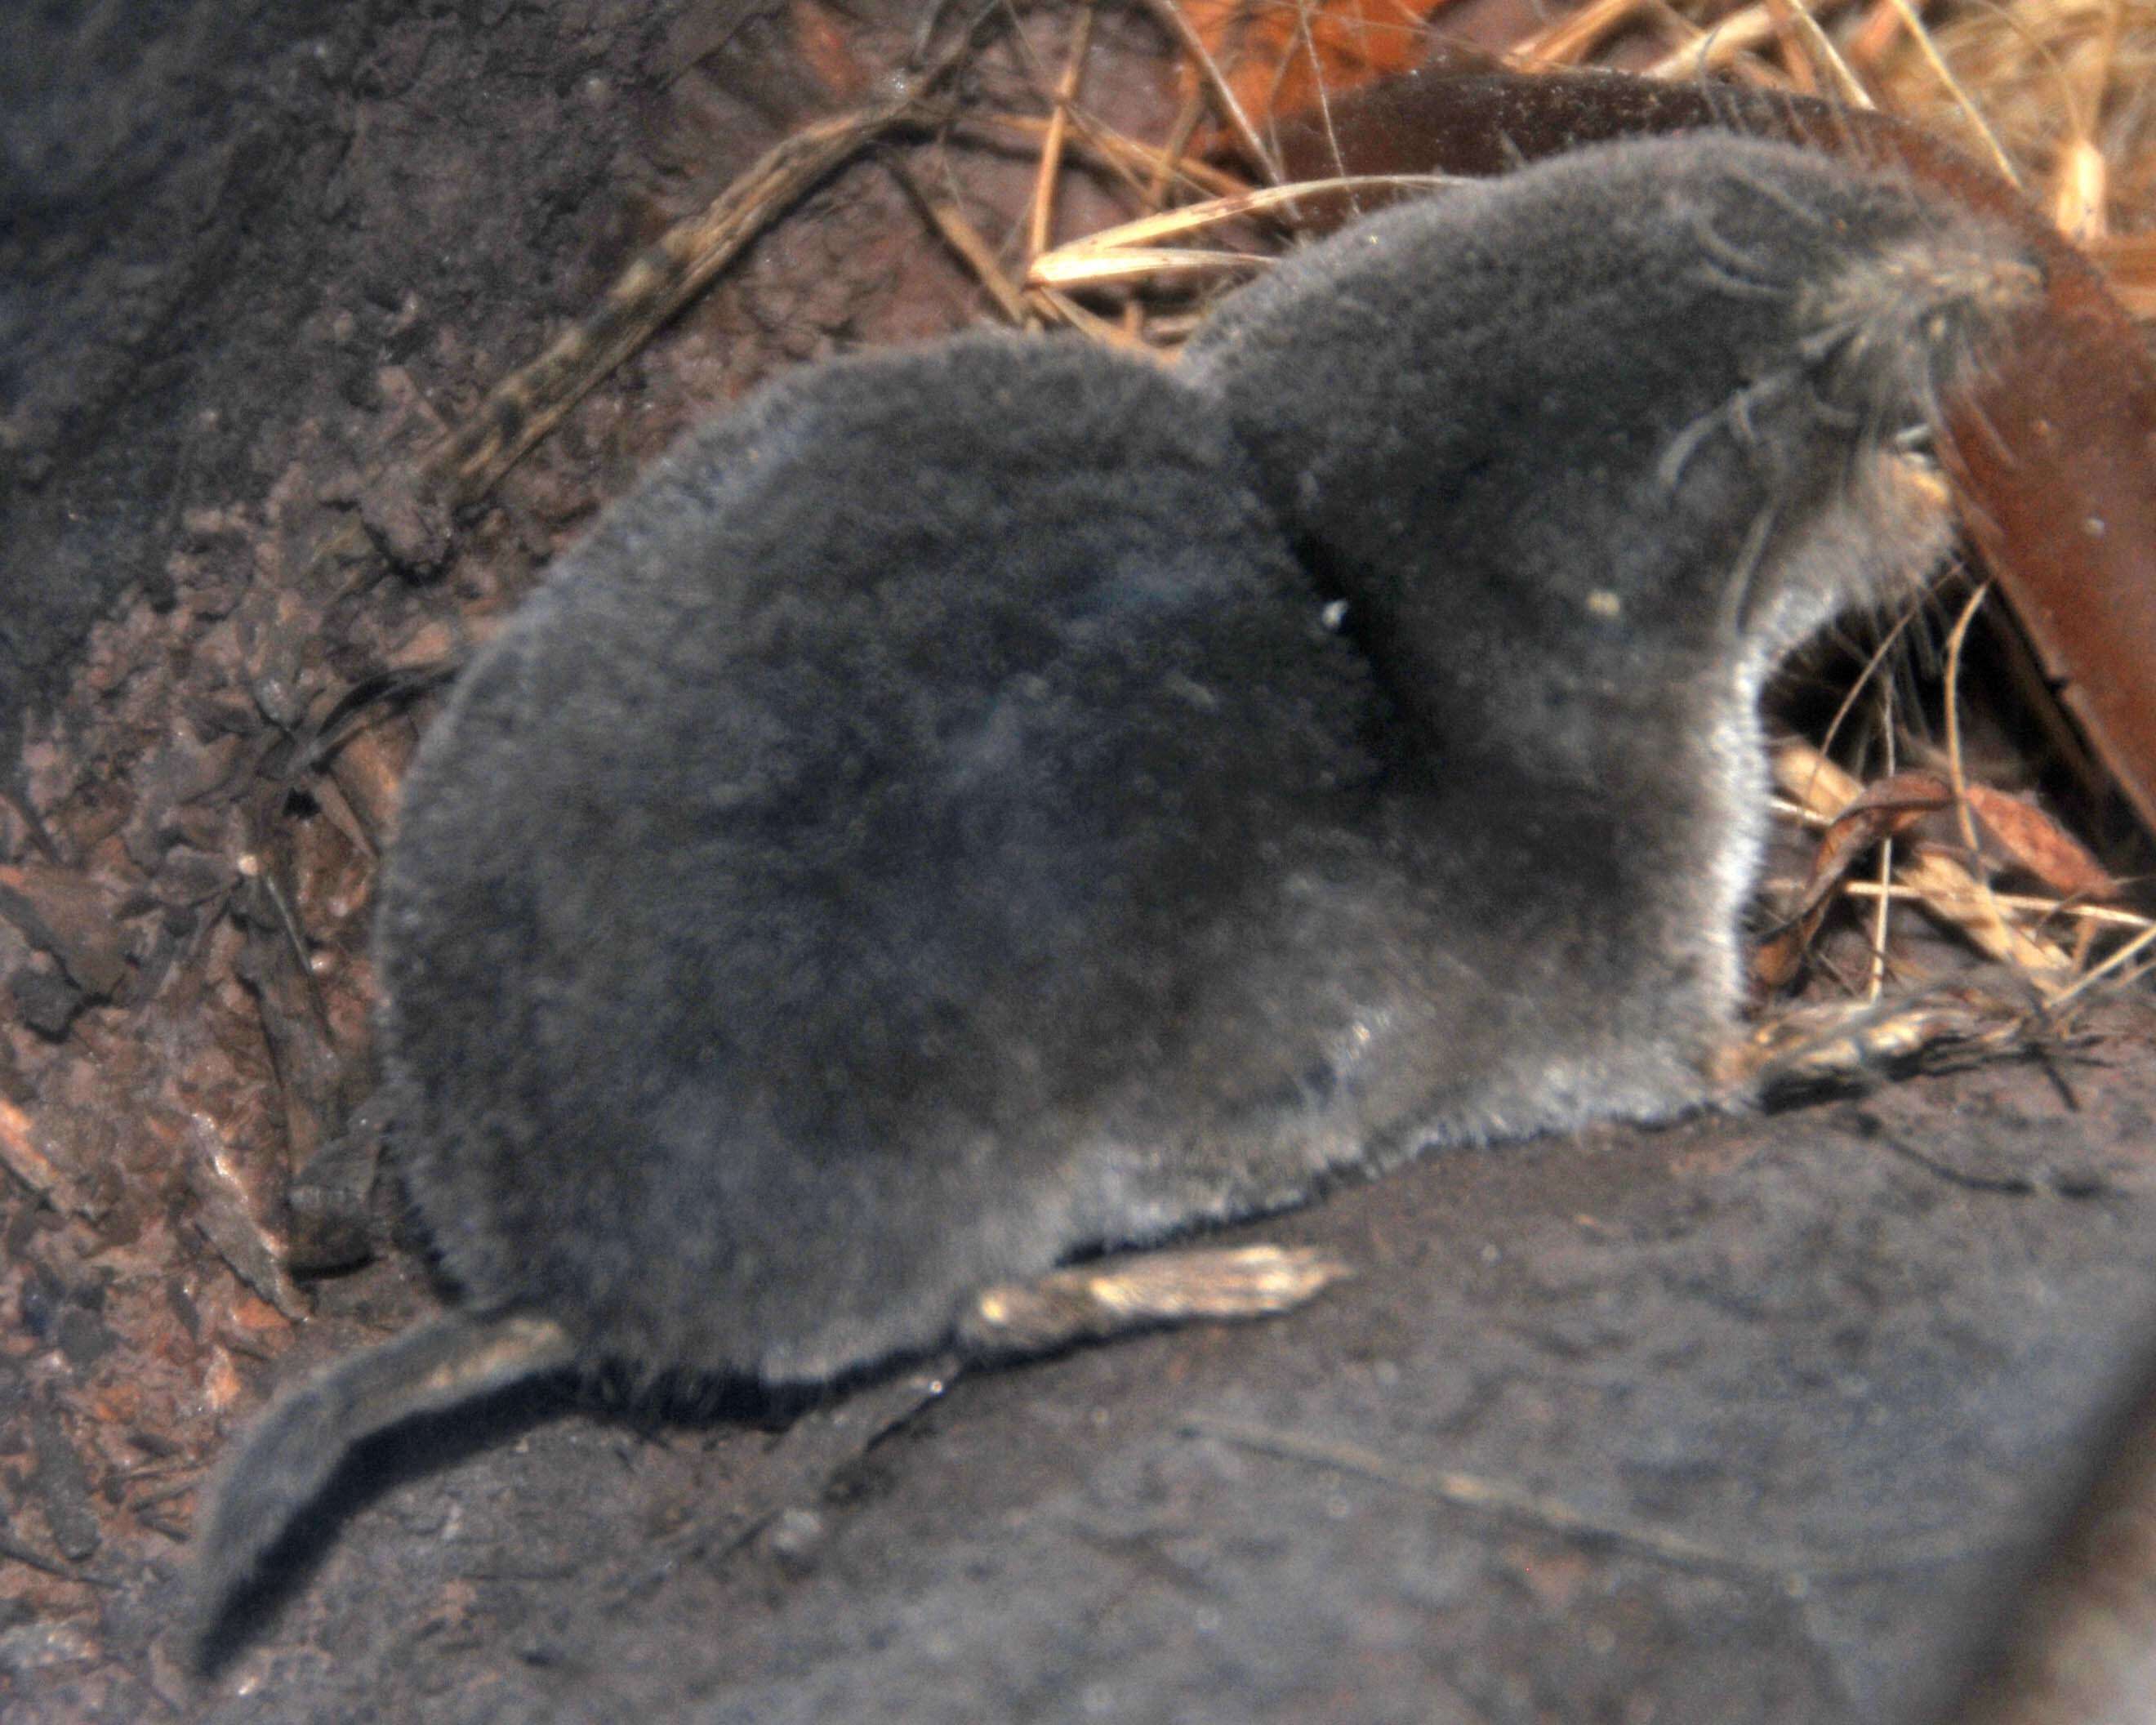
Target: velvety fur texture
{"x": 1586, "y": 451}
{"x": 935, "y": 825}
{"x": 780, "y": 893}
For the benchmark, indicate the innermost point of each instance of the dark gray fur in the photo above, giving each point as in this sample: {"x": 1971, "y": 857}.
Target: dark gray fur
{"x": 1587, "y": 451}
{"x": 928, "y": 830}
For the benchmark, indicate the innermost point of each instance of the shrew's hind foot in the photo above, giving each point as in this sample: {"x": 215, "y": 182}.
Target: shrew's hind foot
{"x": 1090, "y": 1302}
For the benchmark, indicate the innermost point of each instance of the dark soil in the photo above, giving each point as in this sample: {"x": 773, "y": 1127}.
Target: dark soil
{"x": 1784, "y": 1405}
{"x": 1854, "y": 1350}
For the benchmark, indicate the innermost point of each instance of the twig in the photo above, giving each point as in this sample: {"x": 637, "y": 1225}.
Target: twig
{"x": 971, "y": 244}
{"x": 2028, "y": 903}
{"x": 1876, "y": 976}
{"x": 2115, "y": 961}
{"x": 1087, "y": 268}
{"x": 1957, "y": 779}
{"x": 1042, "y": 226}
{"x": 1318, "y": 83}
{"x": 1214, "y": 211}
{"x": 1172, "y": 17}
{"x": 14, "y": 1551}
{"x": 1099, "y": 328}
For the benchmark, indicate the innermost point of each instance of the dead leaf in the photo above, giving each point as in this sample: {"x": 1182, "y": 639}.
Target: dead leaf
{"x": 1279, "y": 56}
{"x": 2039, "y": 845}
{"x": 1880, "y": 811}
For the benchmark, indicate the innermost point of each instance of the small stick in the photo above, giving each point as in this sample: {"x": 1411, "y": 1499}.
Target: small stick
{"x": 1042, "y": 223}
{"x": 1172, "y": 17}
{"x": 1869, "y": 42}
{"x": 970, "y": 244}
{"x": 2117, "y": 960}
{"x": 1090, "y": 268}
{"x": 1957, "y": 781}
{"x": 1318, "y": 83}
{"x": 2043, "y": 908}
{"x": 1864, "y": 677}
{"x": 1170, "y": 156}
{"x": 1876, "y": 982}
{"x": 1192, "y": 217}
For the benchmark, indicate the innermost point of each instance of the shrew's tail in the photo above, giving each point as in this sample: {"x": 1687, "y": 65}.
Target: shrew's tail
{"x": 300, "y": 1443}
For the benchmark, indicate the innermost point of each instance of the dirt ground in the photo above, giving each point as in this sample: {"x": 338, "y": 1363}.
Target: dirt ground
{"x": 1814, "y": 1379}
{"x": 1763, "y": 1418}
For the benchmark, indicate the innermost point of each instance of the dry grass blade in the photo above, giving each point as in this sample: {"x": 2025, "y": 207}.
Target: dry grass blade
{"x": 1473, "y": 1492}
{"x": 1174, "y": 150}
{"x": 2080, "y": 190}
{"x": 1129, "y": 252}
{"x": 1042, "y": 223}
{"x": 2114, "y": 966}
{"x": 970, "y": 244}
{"x": 1099, "y": 268}
{"x": 2033, "y": 905}
{"x": 1875, "y": 979}
{"x": 1306, "y": 41}
{"x": 1192, "y": 217}
{"x": 1069, "y": 312}
{"x": 2081, "y": 194}
{"x": 1914, "y": 23}
{"x": 1957, "y": 641}
{"x": 1801, "y": 26}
